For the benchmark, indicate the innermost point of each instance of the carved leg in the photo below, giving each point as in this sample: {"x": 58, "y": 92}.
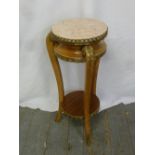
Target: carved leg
{"x": 96, "y": 66}
{"x": 58, "y": 76}
{"x": 90, "y": 62}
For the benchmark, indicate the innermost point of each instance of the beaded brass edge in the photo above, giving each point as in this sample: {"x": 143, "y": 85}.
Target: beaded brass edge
{"x": 78, "y": 42}
{"x": 78, "y": 60}
{"x": 80, "y": 117}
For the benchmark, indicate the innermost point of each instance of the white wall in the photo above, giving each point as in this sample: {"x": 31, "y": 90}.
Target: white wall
{"x": 38, "y": 87}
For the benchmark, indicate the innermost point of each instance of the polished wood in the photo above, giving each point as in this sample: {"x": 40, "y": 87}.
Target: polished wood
{"x": 58, "y": 75}
{"x": 96, "y": 66}
{"x": 85, "y": 103}
{"x": 90, "y": 63}
{"x": 73, "y": 104}
{"x": 78, "y": 40}
{"x": 75, "y": 53}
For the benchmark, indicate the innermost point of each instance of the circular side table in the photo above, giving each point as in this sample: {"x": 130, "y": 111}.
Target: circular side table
{"x": 78, "y": 40}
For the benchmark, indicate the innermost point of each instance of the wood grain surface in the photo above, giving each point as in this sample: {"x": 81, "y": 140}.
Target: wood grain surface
{"x": 74, "y": 104}
{"x": 75, "y": 53}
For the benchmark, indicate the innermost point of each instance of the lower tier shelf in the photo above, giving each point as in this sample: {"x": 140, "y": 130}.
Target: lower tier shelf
{"x": 73, "y": 104}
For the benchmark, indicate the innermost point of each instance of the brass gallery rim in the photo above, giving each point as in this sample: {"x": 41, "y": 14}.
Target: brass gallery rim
{"x": 82, "y": 31}
{"x": 78, "y": 42}
{"x": 80, "y": 117}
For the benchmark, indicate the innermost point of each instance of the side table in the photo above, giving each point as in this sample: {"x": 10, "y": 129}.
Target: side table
{"x": 78, "y": 40}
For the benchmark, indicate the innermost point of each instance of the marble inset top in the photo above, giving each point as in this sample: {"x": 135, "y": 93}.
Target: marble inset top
{"x": 78, "y": 29}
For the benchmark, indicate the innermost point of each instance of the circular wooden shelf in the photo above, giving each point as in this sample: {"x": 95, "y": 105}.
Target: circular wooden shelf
{"x": 73, "y": 104}
{"x": 75, "y": 54}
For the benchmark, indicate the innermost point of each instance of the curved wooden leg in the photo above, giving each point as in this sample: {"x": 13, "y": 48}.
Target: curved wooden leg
{"x": 58, "y": 76}
{"x": 90, "y": 62}
{"x": 96, "y": 66}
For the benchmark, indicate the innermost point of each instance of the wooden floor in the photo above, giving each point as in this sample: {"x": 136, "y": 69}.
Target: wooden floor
{"x": 113, "y": 133}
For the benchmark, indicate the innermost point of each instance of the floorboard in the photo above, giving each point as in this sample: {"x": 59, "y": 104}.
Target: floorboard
{"x": 121, "y": 143}
{"x": 75, "y": 140}
{"x": 36, "y": 134}
{"x": 57, "y": 141}
{"x": 25, "y": 122}
{"x": 130, "y": 118}
{"x": 112, "y": 133}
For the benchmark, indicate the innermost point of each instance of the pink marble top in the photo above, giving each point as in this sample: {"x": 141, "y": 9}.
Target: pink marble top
{"x": 79, "y": 29}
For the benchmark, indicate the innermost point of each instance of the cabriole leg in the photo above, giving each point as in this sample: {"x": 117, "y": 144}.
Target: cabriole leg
{"x": 90, "y": 62}
{"x": 58, "y": 75}
{"x": 96, "y": 66}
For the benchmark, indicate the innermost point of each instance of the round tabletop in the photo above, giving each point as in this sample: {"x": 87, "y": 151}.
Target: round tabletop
{"x": 79, "y": 30}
